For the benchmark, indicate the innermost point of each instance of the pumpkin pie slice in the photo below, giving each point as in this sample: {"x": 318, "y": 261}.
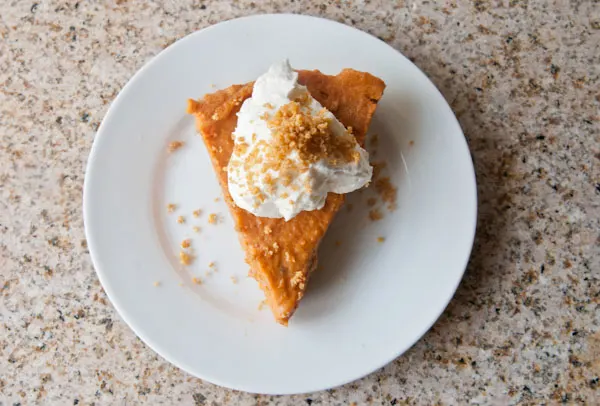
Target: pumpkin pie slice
{"x": 282, "y": 254}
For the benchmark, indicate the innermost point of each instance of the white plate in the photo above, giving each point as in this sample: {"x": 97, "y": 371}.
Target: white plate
{"x": 367, "y": 303}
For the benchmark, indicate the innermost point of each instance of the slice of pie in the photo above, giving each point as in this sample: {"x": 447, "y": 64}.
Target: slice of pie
{"x": 282, "y": 254}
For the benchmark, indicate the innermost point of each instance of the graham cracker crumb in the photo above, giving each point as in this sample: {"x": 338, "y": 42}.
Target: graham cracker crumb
{"x": 217, "y": 199}
{"x": 290, "y": 258}
{"x": 156, "y": 283}
{"x": 383, "y": 186}
{"x": 196, "y": 229}
{"x": 375, "y": 215}
{"x": 185, "y": 258}
{"x": 295, "y": 131}
{"x": 181, "y": 219}
{"x": 377, "y": 168}
{"x": 262, "y": 304}
{"x": 186, "y": 243}
{"x": 371, "y": 202}
{"x": 234, "y": 280}
{"x": 196, "y": 213}
{"x": 374, "y": 139}
{"x": 298, "y": 280}
{"x": 174, "y": 146}
{"x": 411, "y": 143}
{"x": 387, "y": 191}
{"x": 171, "y": 207}
{"x": 212, "y": 218}
{"x": 380, "y": 239}
{"x": 197, "y": 280}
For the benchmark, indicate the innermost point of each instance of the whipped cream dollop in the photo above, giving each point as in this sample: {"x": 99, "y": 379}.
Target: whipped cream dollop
{"x": 289, "y": 151}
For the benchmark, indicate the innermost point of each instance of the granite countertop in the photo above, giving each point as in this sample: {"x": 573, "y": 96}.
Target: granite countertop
{"x": 522, "y": 76}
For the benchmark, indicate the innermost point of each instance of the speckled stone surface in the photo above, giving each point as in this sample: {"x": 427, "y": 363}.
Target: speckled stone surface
{"x": 523, "y": 79}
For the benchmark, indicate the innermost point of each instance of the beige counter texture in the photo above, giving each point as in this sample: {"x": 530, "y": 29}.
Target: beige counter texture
{"x": 523, "y": 79}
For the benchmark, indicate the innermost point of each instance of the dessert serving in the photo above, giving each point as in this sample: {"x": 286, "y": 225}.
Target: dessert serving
{"x": 286, "y": 149}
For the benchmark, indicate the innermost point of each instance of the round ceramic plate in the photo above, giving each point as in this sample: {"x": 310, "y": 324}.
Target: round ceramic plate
{"x": 368, "y": 301}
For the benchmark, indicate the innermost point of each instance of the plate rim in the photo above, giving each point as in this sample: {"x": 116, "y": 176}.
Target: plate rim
{"x": 115, "y": 105}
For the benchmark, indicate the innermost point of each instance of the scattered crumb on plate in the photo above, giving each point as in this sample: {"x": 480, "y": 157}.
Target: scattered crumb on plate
{"x": 174, "y": 146}
{"x": 212, "y": 218}
{"x": 380, "y": 239}
{"x": 196, "y": 229}
{"x": 196, "y": 213}
{"x": 374, "y": 139}
{"x": 171, "y": 207}
{"x": 181, "y": 219}
{"x": 186, "y": 243}
{"x": 375, "y": 215}
{"x": 234, "y": 280}
{"x": 197, "y": 280}
{"x": 377, "y": 168}
{"x": 156, "y": 283}
{"x": 185, "y": 258}
{"x": 387, "y": 192}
